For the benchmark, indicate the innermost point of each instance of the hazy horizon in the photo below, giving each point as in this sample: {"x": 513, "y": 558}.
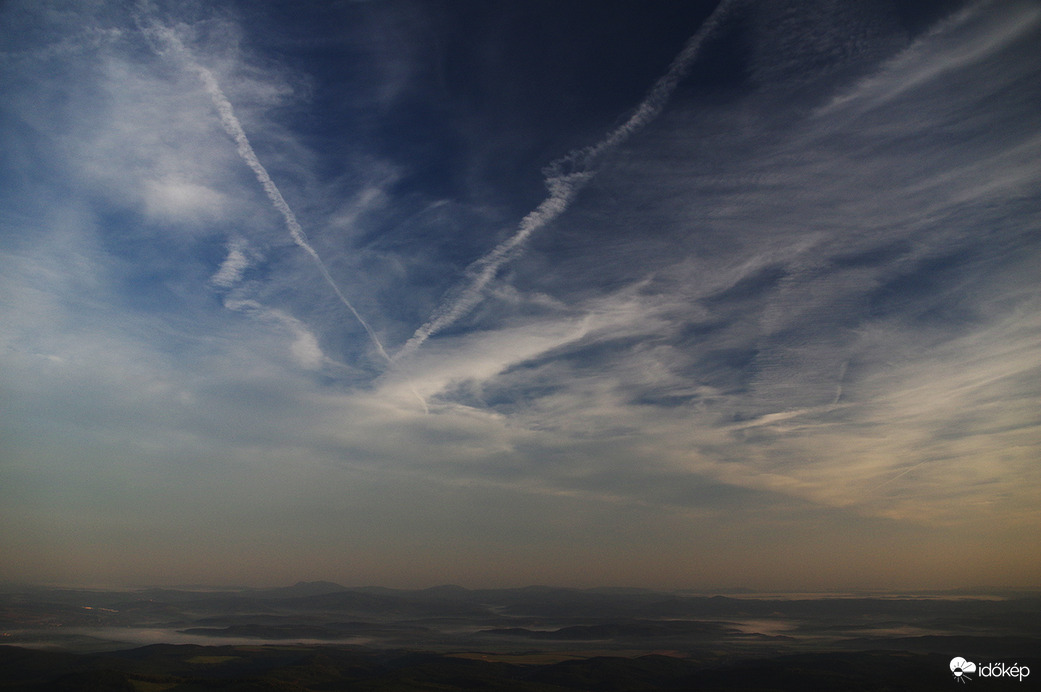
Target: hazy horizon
{"x": 670, "y": 295}
{"x": 734, "y": 591}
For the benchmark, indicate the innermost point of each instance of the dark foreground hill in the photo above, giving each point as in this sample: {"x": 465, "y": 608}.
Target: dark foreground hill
{"x": 322, "y": 636}
{"x": 184, "y": 668}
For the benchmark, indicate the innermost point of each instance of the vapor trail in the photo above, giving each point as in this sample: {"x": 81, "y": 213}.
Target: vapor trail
{"x": 564, "y": 178}
{"x": 232, "y": 126}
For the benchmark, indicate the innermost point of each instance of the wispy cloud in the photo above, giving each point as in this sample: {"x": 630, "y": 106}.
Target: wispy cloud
{"x": 565, "y": 177}
{"x": 809, "y": 282}
{"x": 233, "y": 266}
{"x": 775, "y": 322}
{"x": 169, "y": 42}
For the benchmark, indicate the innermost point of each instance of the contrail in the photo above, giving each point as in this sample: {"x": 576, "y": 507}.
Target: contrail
{"x": 562, "y": 190}
{"x": 564, "y": 178}
{"x": 245, "y": 150}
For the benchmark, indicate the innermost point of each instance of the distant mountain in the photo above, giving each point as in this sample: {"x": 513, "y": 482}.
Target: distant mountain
{"x": 301, "y": 589}
{"x": 447, "y": 591}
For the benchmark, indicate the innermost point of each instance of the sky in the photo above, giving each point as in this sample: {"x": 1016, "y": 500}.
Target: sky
{"x": 673, "y": 295}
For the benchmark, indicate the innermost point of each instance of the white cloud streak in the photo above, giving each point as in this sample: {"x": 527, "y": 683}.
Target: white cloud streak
{"x": 969, "y": 36}
{"x": 565, "y": 177}
{"x": 233, "y": 266}
{"x": 168, "y": 42}
{"x": 304, "y": 350}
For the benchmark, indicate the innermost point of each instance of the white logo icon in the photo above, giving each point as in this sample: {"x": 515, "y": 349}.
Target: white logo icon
{"x": 961, "y": 668}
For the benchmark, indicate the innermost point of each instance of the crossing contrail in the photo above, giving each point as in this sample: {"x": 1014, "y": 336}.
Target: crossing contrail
{"x": 564, "y": 177}
{"x": 233, "y": 127}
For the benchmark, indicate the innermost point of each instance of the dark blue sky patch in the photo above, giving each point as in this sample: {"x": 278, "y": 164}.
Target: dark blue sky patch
{"x": 749, "y": 287}
{"x": 918, "y": 15}
{"x": 723, "y": 68}
{"x": 877, "y": 256}
{"x": 934, "y": 291}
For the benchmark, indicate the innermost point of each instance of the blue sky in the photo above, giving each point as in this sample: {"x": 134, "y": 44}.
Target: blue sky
{"x": 495, "y": 293}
